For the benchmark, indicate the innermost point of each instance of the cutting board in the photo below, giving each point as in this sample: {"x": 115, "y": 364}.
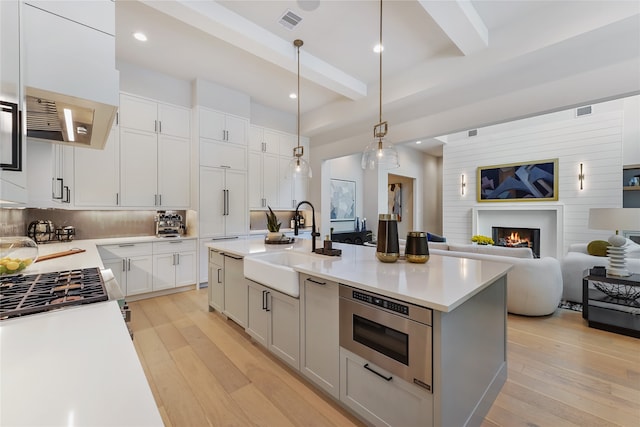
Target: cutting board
{"x": 60, "y": 254}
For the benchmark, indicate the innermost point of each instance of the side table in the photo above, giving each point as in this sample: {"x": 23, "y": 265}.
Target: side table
{"x": 611, "y": 303}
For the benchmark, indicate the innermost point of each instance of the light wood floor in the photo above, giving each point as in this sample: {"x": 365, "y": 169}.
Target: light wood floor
{"x": 204, "y": 370}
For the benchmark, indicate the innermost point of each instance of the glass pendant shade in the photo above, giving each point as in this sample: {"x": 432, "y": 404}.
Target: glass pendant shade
{"x": 298, "y": 168}
{"x": 380, "y": 153}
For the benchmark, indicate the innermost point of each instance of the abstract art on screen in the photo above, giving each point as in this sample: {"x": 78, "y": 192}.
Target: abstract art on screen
{"x": 534, "y": 181}
{"x": 395, "y": 200}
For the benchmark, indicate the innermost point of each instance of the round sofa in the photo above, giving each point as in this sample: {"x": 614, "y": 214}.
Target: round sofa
{"x": 534, "y": 286}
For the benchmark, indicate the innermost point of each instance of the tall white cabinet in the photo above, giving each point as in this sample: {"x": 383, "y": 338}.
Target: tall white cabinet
{"x": 155, "y": 154}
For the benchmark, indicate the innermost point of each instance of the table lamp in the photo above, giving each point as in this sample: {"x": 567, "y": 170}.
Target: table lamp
{"x": 615, "y": 219}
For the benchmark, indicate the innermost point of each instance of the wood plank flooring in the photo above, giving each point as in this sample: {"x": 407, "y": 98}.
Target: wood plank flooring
{"x": 205, "y": 371}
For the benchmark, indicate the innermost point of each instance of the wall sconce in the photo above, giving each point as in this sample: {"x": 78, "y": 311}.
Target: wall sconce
{"x": 462, "y": 184}
{"x": 581, "y": 177}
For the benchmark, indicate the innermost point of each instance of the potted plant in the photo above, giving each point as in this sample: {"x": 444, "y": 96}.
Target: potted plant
{"x": 273, "y": 226}
{"x": 482, "y": 240}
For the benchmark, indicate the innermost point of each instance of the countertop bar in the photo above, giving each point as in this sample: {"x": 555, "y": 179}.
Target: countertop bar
{"x": 442, "y": 283}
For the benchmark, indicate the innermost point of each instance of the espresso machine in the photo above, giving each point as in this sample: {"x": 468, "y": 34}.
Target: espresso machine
{"x": 169, "y": 224}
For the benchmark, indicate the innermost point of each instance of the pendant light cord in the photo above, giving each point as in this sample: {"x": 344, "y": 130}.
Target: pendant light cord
{"x": 381, "y": 49}
{"x": 297, "y": 43}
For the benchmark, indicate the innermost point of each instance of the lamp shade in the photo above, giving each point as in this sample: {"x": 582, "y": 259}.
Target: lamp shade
{"x": 381, "y": 154}
{"x": 614, "y": 218}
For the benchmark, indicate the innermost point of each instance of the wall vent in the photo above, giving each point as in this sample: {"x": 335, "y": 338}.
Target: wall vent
{"x": 472, "y": 132}
{"x": 583, "y": 111}
{"x": 289, "y": 20}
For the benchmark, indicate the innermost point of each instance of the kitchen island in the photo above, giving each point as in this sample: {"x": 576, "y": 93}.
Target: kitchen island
{"x": 467, "y": 328}
{"x": 73, "y": 366}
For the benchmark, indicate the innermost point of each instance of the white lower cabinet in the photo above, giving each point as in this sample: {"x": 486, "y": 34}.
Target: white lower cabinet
{"x": 216, "y": 280}
{"x": 273, "y": 320}
{"x": 382, "y": 401}
{"x": 174, "y": 263}
{"x": 319, "y": 338}
{"x": 235, "y": 290}
{"x": 131, "y": 264}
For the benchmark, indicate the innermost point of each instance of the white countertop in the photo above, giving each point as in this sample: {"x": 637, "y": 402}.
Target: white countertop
{"x": 73, "y": 367}
{"x": 442, "y": 283}
{"x": 76, "y": 366}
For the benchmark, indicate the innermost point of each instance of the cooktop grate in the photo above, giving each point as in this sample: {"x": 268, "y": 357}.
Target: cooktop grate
{"x": 22, "y": 294}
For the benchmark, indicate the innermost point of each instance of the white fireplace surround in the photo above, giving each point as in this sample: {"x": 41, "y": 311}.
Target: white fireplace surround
{"x": 548, "y": 218}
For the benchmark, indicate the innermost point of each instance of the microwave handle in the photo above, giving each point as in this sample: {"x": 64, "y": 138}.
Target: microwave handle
{"x": 16, "y": 136}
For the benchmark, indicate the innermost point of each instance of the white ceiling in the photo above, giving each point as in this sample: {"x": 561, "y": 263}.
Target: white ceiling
{"x": 447, "y": 66}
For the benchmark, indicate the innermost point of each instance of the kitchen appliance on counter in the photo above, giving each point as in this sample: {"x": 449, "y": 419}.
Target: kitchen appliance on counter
{"x": 42, "y": 231}
{"x": 395, "y": 335}
{"x": 65, "y": 234}
{"x": 169, "y": 224}
{"x": 24, "y": 294}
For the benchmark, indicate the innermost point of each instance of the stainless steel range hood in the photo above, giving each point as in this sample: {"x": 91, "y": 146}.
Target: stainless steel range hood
{"x": 68, "y": 120}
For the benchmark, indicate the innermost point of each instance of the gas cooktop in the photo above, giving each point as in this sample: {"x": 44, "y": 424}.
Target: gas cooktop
{"x": 23, "y": 294}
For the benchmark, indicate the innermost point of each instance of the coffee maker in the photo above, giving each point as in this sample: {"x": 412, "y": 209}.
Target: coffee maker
{"x": 169, "y": 224}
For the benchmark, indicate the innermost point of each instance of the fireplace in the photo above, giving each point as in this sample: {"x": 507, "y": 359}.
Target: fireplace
{"x": 517, "y": 237}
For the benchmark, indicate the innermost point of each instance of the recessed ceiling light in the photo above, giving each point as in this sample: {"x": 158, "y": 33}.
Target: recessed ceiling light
{"x": 293, "y": 96}
{"x": 378, "y": 48}
{"x": 418, "y": 142}
{"x": 140, "y": 36}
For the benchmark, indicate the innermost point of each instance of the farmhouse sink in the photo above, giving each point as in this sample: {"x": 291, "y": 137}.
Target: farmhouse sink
{"x": 274, "y": 269}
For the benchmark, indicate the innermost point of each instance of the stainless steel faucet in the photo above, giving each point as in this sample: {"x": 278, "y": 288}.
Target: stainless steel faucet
{"x": 314, "y": 234}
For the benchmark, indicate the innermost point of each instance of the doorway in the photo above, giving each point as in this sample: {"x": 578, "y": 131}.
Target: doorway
{"x": 400, "y": 201}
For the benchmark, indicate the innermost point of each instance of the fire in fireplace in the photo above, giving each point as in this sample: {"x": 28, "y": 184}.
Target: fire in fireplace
{"x": 516, "y": 237}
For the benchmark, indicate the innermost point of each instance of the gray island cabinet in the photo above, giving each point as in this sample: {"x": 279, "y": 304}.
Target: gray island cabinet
{"x": 466, "y": 328}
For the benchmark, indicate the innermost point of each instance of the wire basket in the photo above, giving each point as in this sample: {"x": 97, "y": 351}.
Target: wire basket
{"x": 618, "y": 290}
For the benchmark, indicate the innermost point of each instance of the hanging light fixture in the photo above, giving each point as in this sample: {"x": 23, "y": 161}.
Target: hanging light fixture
{"x": 298, "y": 167}
{"x": 380, "y": 152}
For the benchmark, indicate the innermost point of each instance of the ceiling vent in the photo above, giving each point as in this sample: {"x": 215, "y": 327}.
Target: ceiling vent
{"x": 583, "y": 111}
{"x": 290, "y": 20}
{"x": 472, "y": 132}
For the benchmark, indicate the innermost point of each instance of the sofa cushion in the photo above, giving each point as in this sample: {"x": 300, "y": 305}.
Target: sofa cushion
{"x": 632, "y": 249}
{"x": 435, "y": 238}
{"x": 598, "y": 247}
{"x": 526, "y": 253}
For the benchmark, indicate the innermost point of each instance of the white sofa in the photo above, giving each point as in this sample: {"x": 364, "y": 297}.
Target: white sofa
{"x": 534, "y": 286}
{"x": 577, "y": 262}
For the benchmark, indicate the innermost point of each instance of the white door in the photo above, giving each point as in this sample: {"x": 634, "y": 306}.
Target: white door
{"x": 174, "y": 172}
{"x": 270, "y": 183}
{"x": 138, "y": 113}
{"x": 138, "y": 167}
{"x": 272, "y": 141}
{"x": 255, "y": 180}
{"x": 212, "y": 196}
{"x": 285, "y": 187}
{"x": 237, "y": 130}
{"x": 212, "y": 125}
{"x": 185, "y": 268}
{"x": 164, "y": 271}
{"x": 256, "y": 138}
{"x": 97, "y": 174}
{"x": 174, "y": 120}
{"x": 237, "y": 212}
{"x": 139, "y": 274}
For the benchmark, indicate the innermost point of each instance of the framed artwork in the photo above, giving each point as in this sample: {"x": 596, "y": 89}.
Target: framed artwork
{"x": 395, "y": 200}
{"x": 518, "y": 182}
{"x": 343, "y": 200}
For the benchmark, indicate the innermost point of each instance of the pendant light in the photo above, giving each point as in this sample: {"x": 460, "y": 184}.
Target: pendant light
{"x": 298, "y": 167}
{"x": 380, "y": 153}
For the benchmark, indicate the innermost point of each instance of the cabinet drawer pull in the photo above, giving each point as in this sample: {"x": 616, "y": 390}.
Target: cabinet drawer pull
{"x": 366, "y": 366}
{"x": 124, "y": 264}
{"x": 232, "y": 257}
{"x": 175, "y": 241}
{"x": 316, "y": 282}
{"x": 126, "y": 245}
{"x": 219, "y": 270}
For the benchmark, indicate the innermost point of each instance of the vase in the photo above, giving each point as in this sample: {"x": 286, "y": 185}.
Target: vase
{"x": 274, "y": 236}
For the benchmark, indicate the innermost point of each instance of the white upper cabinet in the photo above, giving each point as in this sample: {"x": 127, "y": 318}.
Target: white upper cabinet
{"x": 264, "y": 140}
{"x": 223, "y": 127}
{"x": 97, "y": 174}
{"x": 155, "y": 154}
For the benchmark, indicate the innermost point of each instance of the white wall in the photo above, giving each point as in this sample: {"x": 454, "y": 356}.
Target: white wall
{"x": 594, "y": 140}
{"x": 345, "y": 168}
{"x": 154, "y": 85}
{"x": 273, "y": 119}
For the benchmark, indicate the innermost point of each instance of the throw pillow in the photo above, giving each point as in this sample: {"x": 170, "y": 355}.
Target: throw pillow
{"x": 435, "y": 238}
{"x": 598, "y": 248}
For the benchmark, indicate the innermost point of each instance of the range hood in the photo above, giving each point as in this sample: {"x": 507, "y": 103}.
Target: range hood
{"x": 68, "y": 120}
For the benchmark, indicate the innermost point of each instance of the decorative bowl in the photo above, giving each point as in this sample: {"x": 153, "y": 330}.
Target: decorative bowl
{"x": 17, "y": 254}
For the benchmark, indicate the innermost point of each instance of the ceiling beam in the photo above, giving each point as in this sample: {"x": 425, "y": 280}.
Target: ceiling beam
{"x": 460, "y": 22}
{"x": 220, "y": 22}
